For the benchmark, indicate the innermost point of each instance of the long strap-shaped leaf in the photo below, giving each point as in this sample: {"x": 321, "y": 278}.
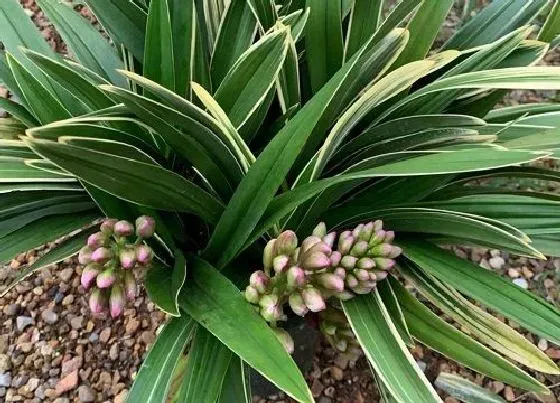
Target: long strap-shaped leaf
{"x": 465, "y": 390}
{"x": 265, "y": 11}
{"x": 85, "y": 42}
{"x": 213, "y": 301}
{"x": 490, "y": 289}
{"x": 141, "y": 183}
{"x": 183, "y": 29}
{"x": 155, "y": 375}
{"x": 236, "y": 386}
{"x": 364, "y": 21}
{"x": 551, "y": 28}
{"x": 386, "y": 351}
{"x": 207, "y": 366}
{"x": 125, "y": 22}
{"x": 159, "y": 63}
{"x": 433, "y": 331}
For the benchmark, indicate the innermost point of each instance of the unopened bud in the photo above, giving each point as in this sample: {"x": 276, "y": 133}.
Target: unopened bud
{"x": 395, "y": 252}
{"x": 286, "y": 243}
{"x": 285, "y": 339}
{"x": 89, "y": 274}
{"x": 381, "y": 250}
{"x": 130, "y": 287}
{"x": 270, "y": 310}
{"x": 116, "y": 301}
{"x": 259, "y": 280}
{"x": 331, "y": 282}
{"x": 316, "y": 261}
{"x": 144, "y": 254}
{"x": 356, "y": 231}
{"x": 280, "y": 263}
{"x": 340, "y": 272}
{"x": 97, "y": 301}
{"x": 335, "y": 258}
{"x": 389, "y": 236}
{"x": 84, "y": 256}
{"x": 329, "y": 239}
{"x": 313, "y": 299}
{"x": 268, "y": 255}
{"x": 361, "y": 275}
{"x": 348, "y": 262}
{"x": 359, "y": 249}
{"x": 345, "y": 295}
{"x": 320, "y": 230}
{"x": 295, "y": 277}
{"x": 345, "y": 244}
{"x": 96, "y": 240}
{"x": 308, "y": 243}
{"x": 101, "y": 255}
{"x": 127, "y": 258}
{"x": 377, "y": 238}
{"x": 107, "y": 226}
{"x": 365, "y": 263}
{"x": 251, "y": 295}
{"x": 106, "y": 278}
{"x": 381, "y": 275}
{"x": 367, "y": 231}
{"x": 123, "y": 228}
{"x": 362, "y": 290}
{"x": 352, "y": 281}
{"x": 297, "y": 304}
{"x": 145, "y": 226}
{"x": 384, "y": 263}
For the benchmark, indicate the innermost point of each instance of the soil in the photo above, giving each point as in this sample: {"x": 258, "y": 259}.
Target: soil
{"x": 51, "y": 349}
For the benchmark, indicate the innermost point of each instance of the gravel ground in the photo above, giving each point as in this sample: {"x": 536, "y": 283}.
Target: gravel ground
{"x": 51, "y": 349}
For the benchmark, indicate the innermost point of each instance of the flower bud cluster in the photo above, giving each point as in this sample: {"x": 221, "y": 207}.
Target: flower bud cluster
{"x": 322, "y": 267}
{"x": 109, "y": 259}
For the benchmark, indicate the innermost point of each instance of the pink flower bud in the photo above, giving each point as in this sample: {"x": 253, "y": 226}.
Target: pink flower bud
{"x": 345, "y": 244}
{"x": 313, "y": 299}
{"x": 259, "y": 280}
{"x": 362, "y": 275}
{"x": 389, "y": 236}
{"x": 295, "y": 277}
{"x": 351, "y": 281}
{"x": 268, "y": 255}
{"x": 335, "y": 258}
{"x": 348, "y": 262}
{"x": 345, "y": 295}
{"x": 378, "y": 225}
{"x": 381, "y": 250}
{"x": 340, "y": 272}
{"x": 365, "y": 263}
{"x": 97, "y": 301}
{"x": 116, "y": 301}
{"x": 106, "y": 278}
{"x": 331, "y": 282}
{"x": 377, "y": 238}
{"x": 251, "y": 295}
{"x": 381, "y": 275}
{"x": 145, "y": 227}
{"x": 144, "y": 254}
{"x": 285, "y": 339}
{"x": 329, "y": 239}
{"x": 320, "y": 230}
{"x": 297, "y": 304}
{"x": 271, "y": 311}
{"x": 89, "y": 274}
{"x": 359, "y": 249}
{"x": 101, "y": 255}
{"x": 124, "y": 228}
{"x": 367, "y": 231}
{"x": 286, "y": 243}
{"x": 127, "y": 258}
{"x": 395, "y": 252}
{"x": 280, "y": 263}
{"x": 130, "y": 287}
{"x": 96, "y": 240}
{"x": 356, "y": 231}
{"x": 319, "y": 247}
{"x": 84, "y": 256}
{"x": 315, "y": 261}
{"x": 309, "y": 242}
{"x": 108, "y": 226}
{"x": 384, "y": 263}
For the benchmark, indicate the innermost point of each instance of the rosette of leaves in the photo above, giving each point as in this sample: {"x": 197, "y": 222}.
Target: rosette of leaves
{"x": 229, "y": 121}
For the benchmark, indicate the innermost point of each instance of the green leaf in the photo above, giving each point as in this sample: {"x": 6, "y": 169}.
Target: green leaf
{"x": 72, "y": 80}
{"x": 483, "y": 285}
{"x": 364, "y": 21}
{"x": 236, "y": 33}
{"x": 423, "y": 29}
{"x": 476, "y": 322}
{"x": 159, "y": 286}
{"x": 465, "y": 390}
{"x": 434, "y": 332}
{"x": 42, "y": 231}
{"x": 388, "y": 296}
{"x": 125, "y": 22}
{"x": 183, "y": 27}
{"x": 141, "y": 183}
{"x": 207, "y": 365}
{"x": 155, "y": 375}
{"x": 246, "y": 85}
{"x": 212, "y": 300}
{"x": 85, "y": 42}
{"x": 324, "y": 46}
{"x": 497, "y": 19}
{"x": 509, "y": 113}
{"x": 44, "y": 105}
{"x": 159, "y": 62}
{"x": 60, "y": 252}
{"x": 19, "y": 112}
{"x": 237, "y": 383}
{"x": 386, "y": 351}
{"x": 14, "y": 170}
{"x": 265, "y": 11}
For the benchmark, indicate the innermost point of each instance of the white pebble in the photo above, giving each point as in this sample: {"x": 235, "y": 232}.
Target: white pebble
{"x": 496, "y": 262}
{"x": 521, "y": 282}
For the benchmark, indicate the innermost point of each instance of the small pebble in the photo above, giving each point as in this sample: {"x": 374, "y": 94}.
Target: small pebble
{"x": 543, "y": 344}
{"x": 22, "y": 322}
{"x": 521, "y": 282}
{"x": 496, "y": 262}
{"x": 86, "y": 394}
{"x": 49, "y": 317}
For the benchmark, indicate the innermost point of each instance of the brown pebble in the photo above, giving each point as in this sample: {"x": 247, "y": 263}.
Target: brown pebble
{"x": 67, "y": 383}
